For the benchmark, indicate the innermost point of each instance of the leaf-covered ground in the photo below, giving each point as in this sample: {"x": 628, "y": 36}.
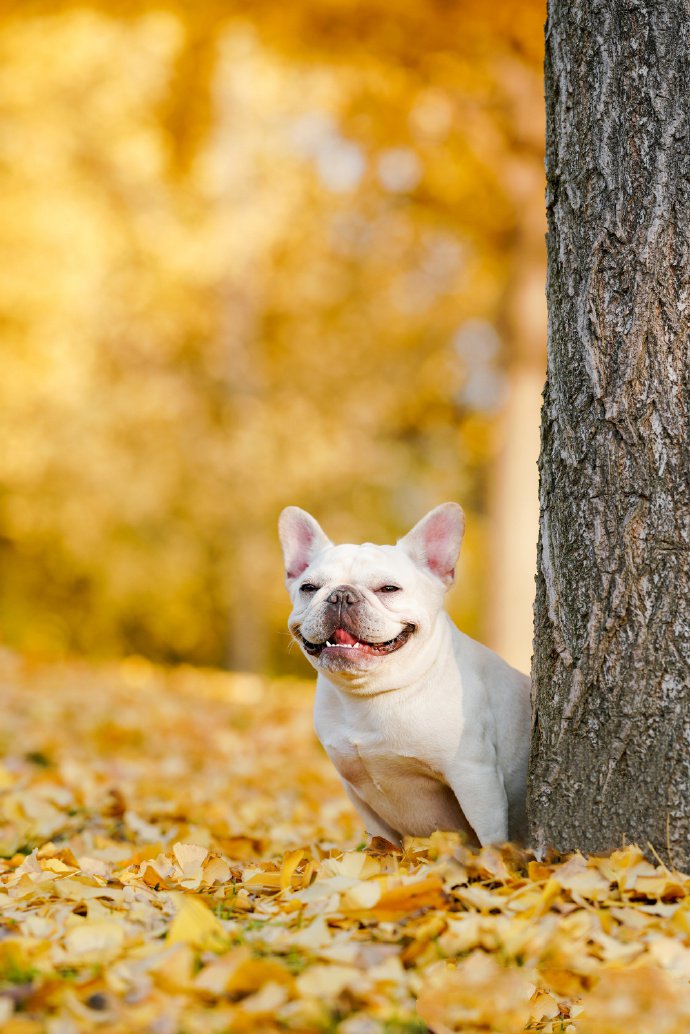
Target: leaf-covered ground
{"x": 178, "y": 857}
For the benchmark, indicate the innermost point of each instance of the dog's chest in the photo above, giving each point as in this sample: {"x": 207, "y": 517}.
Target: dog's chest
{"x": 366, "y": 761}
{"x": 396, "y": 769}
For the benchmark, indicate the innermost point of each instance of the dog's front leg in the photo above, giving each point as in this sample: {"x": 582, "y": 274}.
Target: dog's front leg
{"x": 373, "y": 823}
{"x": 481, "y": 794}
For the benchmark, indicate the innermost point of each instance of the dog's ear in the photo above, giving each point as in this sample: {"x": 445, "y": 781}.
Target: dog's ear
{"x": 301, "y": 537}
{"x": 434, "y": 542}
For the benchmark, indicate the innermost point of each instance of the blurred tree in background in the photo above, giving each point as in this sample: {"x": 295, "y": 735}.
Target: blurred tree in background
{"x": 251, "y": 256}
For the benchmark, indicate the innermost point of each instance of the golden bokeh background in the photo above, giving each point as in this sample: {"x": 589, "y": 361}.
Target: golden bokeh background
{"x": 255, "y": 255}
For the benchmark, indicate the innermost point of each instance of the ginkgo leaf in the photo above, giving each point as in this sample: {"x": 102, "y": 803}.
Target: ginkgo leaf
{"x": 195, "y": 924}
{"x": 266, "y": 1000}
{"x": 327, "y": 981}
{"x": 425, "y": 893}
{"x": 216, "y": 870}
{"x": 252, "y": 974}
{"x": 478, "y": 994}
{"x": 90, "y": 937}
{"x": 190, "y": 858}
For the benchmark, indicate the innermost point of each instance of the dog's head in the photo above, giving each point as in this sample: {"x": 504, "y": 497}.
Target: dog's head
{"x": 358, "y": 610}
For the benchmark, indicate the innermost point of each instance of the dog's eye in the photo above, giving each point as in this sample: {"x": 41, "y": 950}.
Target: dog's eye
{"x": 308, "y": 587}
{"x": 389, "y": 588}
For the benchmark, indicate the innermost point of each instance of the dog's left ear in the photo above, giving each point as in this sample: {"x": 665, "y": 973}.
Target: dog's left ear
{"x": 434, "y": 542}
{"x": 301, "y": 537}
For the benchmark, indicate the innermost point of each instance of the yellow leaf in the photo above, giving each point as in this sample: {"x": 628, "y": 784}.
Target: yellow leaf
{"x": 267, "y": 880}
{"x": 463, "y": 933}
{"x": 242, "y": 848}
{"x": 92, "y": 866}
{"x": 252, "y": 974}
{"x": 290, "y": 863}
{"x": 324, "y": 981}
{"x": 144, "y": 853}
{"x": 314, "y": 936}
{"x": 543, "y": 1005}
{"x": 173, "y": 969}
{"x": 266, "y": 1000}
{"x": 216, "y": 870}
{"x": 427, "y": 893}
{"x": 539, "y": 871}
{"x": 95, "y": 936}
{"x": 151, "y": 877}
{"x": 309, "y": 870}
{"x": 215, "y": 977}
{"x": 190, "y": 858}
{"x": 659, "y": 886}
{"x": 582, "y": 879}
{"x": 195, "y": 924}
{"x": 479, "y": 899}
{"x": 637, "y": 1001}
{"x": 492, "y": 865}
{"x": 477, "y": 995}
{"x": 549, "y": 894}
{"x": 353, "y": 864}
{"x": 56, "y": 865}
{"x": 362, "y": 895}
{"x": 671, "y": 956}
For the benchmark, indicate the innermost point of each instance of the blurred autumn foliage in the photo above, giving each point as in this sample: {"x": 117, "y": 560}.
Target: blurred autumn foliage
{"x": 252, "y": 255}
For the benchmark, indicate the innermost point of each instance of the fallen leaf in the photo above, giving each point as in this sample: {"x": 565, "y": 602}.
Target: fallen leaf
{"x": 478, "y": 994}
{"x": 88, "y": 937}
{"x": 426, "y": 893}
{"x": 195, "y": 924}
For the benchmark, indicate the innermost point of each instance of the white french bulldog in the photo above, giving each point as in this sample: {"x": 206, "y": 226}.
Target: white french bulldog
{"x": 427, "y": 728}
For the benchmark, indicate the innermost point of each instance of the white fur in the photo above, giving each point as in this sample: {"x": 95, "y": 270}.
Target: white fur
{"x": 434, "y": 735}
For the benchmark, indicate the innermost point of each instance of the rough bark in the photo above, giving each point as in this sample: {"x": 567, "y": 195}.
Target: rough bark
{"x": 611, "y": 742}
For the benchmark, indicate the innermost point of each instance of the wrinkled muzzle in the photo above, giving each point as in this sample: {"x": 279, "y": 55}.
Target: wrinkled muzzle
{"x": 344, "y": 621}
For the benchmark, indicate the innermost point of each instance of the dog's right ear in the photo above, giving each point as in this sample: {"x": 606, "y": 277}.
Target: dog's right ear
{"x": 301, "y": 537}
{"x": 434, "y": 542}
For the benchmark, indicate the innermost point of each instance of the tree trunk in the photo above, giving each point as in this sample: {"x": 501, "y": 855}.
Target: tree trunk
{"x": 611, "y": 741}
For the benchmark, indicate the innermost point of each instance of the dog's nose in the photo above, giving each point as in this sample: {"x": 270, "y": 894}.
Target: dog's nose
{"x": 344, "y": 596}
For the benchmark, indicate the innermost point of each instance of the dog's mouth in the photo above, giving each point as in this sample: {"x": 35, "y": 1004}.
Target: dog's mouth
{"x": 341, "y": 642}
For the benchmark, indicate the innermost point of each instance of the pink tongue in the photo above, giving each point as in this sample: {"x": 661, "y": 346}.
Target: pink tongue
{"x": 341, "y": 636}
